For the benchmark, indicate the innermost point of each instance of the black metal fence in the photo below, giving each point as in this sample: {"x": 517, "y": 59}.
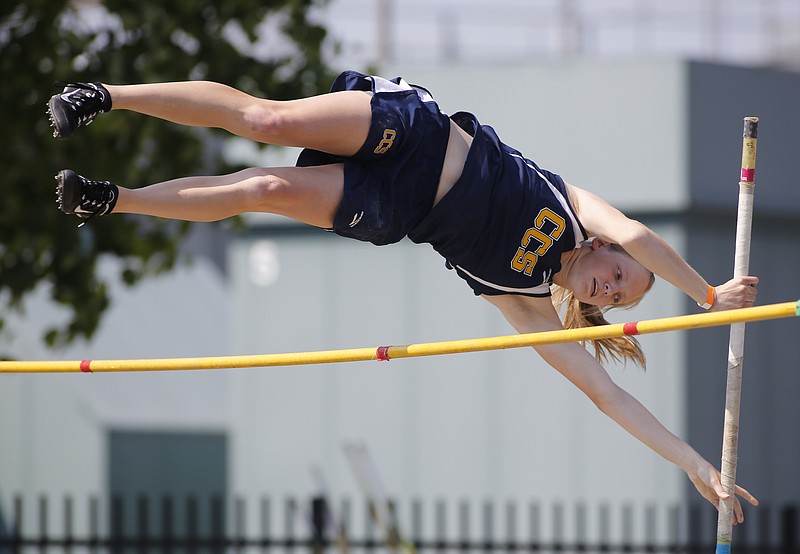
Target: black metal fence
{"x": 167, "y": 525}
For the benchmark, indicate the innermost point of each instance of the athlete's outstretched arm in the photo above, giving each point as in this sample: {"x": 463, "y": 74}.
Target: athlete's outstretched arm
{"x": 529, "y": 315}
{"x": 603, "y": 220}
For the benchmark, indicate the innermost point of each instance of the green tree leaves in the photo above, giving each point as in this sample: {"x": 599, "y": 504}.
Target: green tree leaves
{"x": 118, "y": 41}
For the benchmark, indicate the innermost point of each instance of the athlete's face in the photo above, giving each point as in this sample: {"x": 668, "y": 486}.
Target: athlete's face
{"x": 608, "y": 277}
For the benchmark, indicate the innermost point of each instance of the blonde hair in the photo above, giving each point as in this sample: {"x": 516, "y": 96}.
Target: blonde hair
{"x": 579, "y": 314}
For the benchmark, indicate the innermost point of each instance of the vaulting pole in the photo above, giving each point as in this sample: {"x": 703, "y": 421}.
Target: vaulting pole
{"x": 733, "y": 391}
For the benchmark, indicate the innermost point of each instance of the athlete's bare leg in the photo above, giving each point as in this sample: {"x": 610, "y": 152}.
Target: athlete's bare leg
{"x": 307, "y": 194}
{"x": 337, "y": 123}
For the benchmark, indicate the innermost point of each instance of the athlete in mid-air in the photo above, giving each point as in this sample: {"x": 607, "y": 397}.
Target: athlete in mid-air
{"x": 381, "y": 162}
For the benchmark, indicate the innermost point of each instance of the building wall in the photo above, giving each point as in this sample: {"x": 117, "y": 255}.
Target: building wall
{"x": 614, "y": 127}
{"x": 769, "y": 438}
{"x": 720, "y": 97}
{"x": 55, "y": 428}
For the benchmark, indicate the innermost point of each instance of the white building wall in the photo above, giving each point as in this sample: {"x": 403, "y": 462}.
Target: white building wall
{"x": 619, "y": 128}
{"x": 54, "y": 428}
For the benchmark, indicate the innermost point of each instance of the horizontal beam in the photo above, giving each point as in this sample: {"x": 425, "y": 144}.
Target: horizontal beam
{"x": 695, "y": 321}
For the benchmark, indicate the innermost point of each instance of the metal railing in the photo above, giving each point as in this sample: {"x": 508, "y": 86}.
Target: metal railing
{"x": 187, "y": 525}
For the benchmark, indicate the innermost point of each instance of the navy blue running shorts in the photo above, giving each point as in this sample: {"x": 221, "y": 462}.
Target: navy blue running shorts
{"x": 391, "y": 183}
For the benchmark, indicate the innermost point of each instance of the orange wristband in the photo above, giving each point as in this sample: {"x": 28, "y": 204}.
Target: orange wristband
{"x": 710, "y": 298}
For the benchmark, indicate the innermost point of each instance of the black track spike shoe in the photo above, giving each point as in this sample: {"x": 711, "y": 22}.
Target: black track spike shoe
{"x": 78, "y": 104}
{"x": 83, "y": 197}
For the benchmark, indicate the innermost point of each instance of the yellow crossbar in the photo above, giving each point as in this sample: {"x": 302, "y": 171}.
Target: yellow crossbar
{"x": 712, "y": 319}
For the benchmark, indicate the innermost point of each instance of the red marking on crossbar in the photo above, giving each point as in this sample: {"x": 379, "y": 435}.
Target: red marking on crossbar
{"x": 748, "y": 175}
{"x": 630, "y": 328}
{"x": 86, "y": 366}
{"x": 382, "y": 353}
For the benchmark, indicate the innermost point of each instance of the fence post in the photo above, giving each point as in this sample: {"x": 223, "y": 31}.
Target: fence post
{"x": 343, "y": 526}
{"x": 535, "y": 528}
{"x": 42, "y": 524}
{"x": 265, "y": 525}
{"x": 673, "y": 529}
{"x": 142, "y": 523}
{"x": 94, "y": 524}
{"x": 68, "y": 536}
{"x": 369, "y": 528}
{"x": 488, "y": 526}
{"x": 416, "y": 521}
{"x": 16, "y": 532}
{"x": 240, "y": 516}
{"x": 627, "y": 527}
{"x": 558, "y": 524}
{"x": 217, "y": 524}
{"x": 290, "y": 506}
{"x": 117, "y": 524}
{"x": 650, "y": 528}
{"x": 789, "y": 542}
{"x": 511, "y": 526}
{"x": 168, "y": 524}
{"x": 440, "y": 526}
{"x": 604, "y": 525}
{"x": 581, "y": 527}
{"x": 393, "y": 533}
{"x": 463, "y": 526}
{"x": 191, "y": 524}
{"x": 318, "y": 521}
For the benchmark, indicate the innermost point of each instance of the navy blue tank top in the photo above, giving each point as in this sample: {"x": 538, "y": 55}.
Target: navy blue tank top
{"x": 505, "y": 223}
